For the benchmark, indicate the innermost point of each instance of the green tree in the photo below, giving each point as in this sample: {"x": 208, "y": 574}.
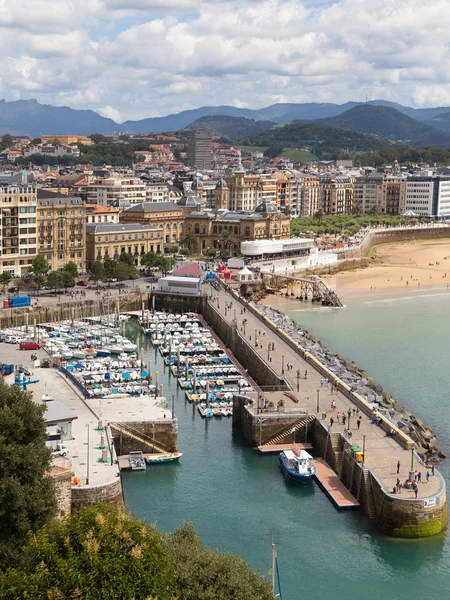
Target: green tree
{"x": 27, "y": 499}
{"x": 98, "y": 272}
{"x": 36, "y": 141}
{"x": 68, "y": 279}
{"x": 71, "y": 268}
{"x": 287, "y": 211}
{"x": 6, "y": 141}
{"x": 97, "y": 552}
{"x": 110, "y": 266}
{"x": 149, "y": 259}
{"x": 227, "y": 240}
{"x": 5, "y": 279}
{"x": 55, "y": 280}
{"x": 190, "y": 241}
{"x": 121, "y": 271}
{"x": 318, "y": 216}
{"x": 127, "y": 258}
{"x": 39, "y": 268}
{"x": 173, "y": 249}
{"x": 203, "y": 574}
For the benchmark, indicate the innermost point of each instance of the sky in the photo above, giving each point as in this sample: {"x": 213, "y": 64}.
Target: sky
{"x": 131, "y": 59}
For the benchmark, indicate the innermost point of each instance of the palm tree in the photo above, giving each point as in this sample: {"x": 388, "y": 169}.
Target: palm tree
{"x": 189, "y": 241}
{"x": 226, "y": 239}
{"x": 318, "y": 216}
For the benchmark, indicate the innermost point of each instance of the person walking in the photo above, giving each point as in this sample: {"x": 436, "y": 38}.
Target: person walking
{"x": 432, "y": 469}
{"x": 419, "y": 477}
{"x": 416, "y": 490}
{"x": 321, "y": 381}
{"x": 343, "y": 419}
{"x": 398, "y": 486}
{"x": 358, "y": 422}
{"x": 428, "y": 476}
{"x": 398, "y": 466}
{"x": 338, "y": 415}
{"x": 331, "y": 421}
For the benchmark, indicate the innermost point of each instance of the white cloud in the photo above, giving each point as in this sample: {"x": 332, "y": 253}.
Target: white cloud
{"x": 135, "y": 58}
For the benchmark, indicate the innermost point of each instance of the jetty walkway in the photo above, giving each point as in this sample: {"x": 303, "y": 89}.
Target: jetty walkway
{"x": 382, "y": 453}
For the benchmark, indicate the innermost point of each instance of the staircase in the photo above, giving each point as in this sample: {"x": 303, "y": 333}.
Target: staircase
{"x": 370, "y": 500}
{"x": 138, "y": 436}
{"x": 286, "y": 435}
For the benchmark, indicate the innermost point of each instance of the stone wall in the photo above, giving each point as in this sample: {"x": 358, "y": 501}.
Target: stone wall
{"x": 166, "y": 433}
{"x": 403, "y": 235}
{"x": 243, "y": 350}
{"x": 62, "y": 479}
{"x": 111, "y": 493}
{"x": 409, "y": 518}
{"x": 257, "y": 428}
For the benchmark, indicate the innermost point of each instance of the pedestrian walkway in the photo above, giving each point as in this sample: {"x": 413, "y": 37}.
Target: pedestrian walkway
{"x": 316, "y": 396}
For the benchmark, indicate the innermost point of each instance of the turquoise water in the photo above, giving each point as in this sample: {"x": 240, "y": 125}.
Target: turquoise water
{"x": 239, "y": 499}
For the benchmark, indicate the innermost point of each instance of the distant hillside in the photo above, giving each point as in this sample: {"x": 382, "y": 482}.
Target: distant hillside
{"x": 441, "y": 121}
{"x": 28, "y": 117}
{"x": 332, "y": 140}
{"x": 231, "y": 127}
{"x": 388, "y": 123}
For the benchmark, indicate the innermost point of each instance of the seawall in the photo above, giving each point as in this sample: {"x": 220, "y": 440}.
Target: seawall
{"x": 406, "y": 234}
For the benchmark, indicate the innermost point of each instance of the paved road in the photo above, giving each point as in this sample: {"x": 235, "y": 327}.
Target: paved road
{"x": 382, "y": 453}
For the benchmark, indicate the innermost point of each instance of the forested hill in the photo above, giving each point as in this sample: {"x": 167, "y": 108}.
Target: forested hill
{"x": 231, "y": 127}
{"x": 330, "y": 140}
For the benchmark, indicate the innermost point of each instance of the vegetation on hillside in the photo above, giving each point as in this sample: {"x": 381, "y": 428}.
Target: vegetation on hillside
{"x": 330, "y": 141}
{"x": 405, "y": 156}
{"x": 388, "y": 123}
{"x": 27, "y": 498}
{"x": 102, "y": 552}
{"x": 231, "y": 127}
{"x": 346, "y": 225}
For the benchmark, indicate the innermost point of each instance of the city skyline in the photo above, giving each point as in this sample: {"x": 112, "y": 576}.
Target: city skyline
{"x": 131, "y": 60}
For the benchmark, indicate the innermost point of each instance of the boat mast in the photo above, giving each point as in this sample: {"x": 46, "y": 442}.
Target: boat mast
{"x": 275, "y": 572}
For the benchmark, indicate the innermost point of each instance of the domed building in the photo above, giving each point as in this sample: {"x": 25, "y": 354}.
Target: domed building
{"x": 190, "y": 201}
{"x": 266, "y": 208}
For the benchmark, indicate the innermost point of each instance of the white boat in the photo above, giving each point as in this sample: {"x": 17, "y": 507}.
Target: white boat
{"x": 115, "y": 349}
{"x": 297, "y": 465}
{"x": 79, "y": 354}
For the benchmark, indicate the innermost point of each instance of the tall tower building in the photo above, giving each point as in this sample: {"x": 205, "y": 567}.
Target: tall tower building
{"x": 199, "y": 149}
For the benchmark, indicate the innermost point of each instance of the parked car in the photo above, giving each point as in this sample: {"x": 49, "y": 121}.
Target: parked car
{"x": 83, "y": 283}
{"x": 29, "y": 345}
{"x": 11, "y": 339}
{"x": 60, "y": 450}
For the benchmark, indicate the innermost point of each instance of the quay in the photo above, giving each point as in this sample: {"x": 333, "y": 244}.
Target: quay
{"x": 250, "y": 336}
{"x": 277, "y": 448}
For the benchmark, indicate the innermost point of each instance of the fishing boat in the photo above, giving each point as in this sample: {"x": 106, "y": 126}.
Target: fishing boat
{"x": 154, "y": 459}
{"x": 297, "y": 465}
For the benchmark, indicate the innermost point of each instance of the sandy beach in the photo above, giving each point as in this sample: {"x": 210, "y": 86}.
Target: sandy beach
{"x": 402, "y": 268}
{"x": 407, "y": 265}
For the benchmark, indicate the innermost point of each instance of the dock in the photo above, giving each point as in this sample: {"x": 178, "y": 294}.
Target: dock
{"x": 333, "y": 486}
{"x": 277, "y": 448}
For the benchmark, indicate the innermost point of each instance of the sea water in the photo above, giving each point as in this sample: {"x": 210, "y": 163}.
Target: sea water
{"x": 239, "y": 499}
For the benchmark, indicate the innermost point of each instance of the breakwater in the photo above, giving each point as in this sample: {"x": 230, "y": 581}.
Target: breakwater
{"x": 360, "y": 384}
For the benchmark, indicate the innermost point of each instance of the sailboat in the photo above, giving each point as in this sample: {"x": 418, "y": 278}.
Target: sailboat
{"x": 275, "y": 574}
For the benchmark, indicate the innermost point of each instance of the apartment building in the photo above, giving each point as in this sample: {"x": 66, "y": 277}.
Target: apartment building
{"x": 199, "y": 154}
{"x": 96, "y": 213}
{"x": 66, "y": 140}
{"x": 109, "y": 240}
{"x": 18, "y": 230}
{"x": 157, "y": 191}
{"x": 61, "y": 225}
{"x": 428, "y": 196}
{"x": 268, "y": 188}
{"x": 244, "y": 190}
{"x": 305, "y": 194}
{"x": 394, "y": 190}
{"x": 109, "y": 190}
{"x": 337, "y": 194}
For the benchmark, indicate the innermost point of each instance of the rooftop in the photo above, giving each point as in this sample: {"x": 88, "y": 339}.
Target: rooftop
{"x": 152, "y": 207}
{"x": 118, "y": 227}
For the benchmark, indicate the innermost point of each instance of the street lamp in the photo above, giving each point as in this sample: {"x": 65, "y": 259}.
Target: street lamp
{"x": 364, "y": 450}
{"x": 298, "y": 380}
{"x": 318, "y": 401}
{"x": 87, "y": 462}
{"x": 282, "y": 364}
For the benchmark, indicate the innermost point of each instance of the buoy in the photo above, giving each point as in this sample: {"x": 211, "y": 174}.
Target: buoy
{"x": 76, "y": 480}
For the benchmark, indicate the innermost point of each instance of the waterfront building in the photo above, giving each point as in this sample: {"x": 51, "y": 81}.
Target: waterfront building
{"x": 109, "y": 240}
{"x": 304, "y": 194}
{"x": 428, "y": 196}
{"x": 173, "y": 284}
{"x": 18, "y": 237}
{"x": 62, "y": 222}
{"x": 276, "y": 248}
{"x": 208, "y": 227}
{"x": 337, "y": 194}
{"x": 199, "y": 154}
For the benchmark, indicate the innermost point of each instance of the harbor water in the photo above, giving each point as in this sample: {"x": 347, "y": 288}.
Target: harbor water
{"x": 239, "y": 499}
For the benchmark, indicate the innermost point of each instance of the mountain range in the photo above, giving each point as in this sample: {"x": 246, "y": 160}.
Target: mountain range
{"x": 29, "y": 117}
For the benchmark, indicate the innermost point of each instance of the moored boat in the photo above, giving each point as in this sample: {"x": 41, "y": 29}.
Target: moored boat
{"x": 153, "y": 459}
{"x": 297, "y": 465}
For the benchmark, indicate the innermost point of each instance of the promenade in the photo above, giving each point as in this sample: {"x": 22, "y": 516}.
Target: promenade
{"x": 382, "y": 453}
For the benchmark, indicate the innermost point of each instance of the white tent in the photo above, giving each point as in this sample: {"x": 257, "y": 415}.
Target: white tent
{"x": 246, "y": 275}
{"x": 409, "y": 213}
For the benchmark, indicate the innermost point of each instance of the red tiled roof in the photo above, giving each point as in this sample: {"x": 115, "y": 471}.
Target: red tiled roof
{"x": 189, "y": 270}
